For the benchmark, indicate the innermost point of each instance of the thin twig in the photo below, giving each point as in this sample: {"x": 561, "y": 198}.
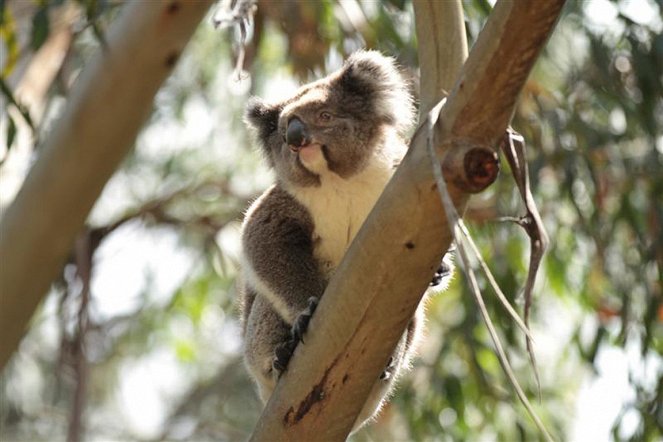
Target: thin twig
{"x": 239, "y": 15}
{"x": 158, "y": 210}
{"x": 493, "y": 283}
{"x": 513, "y": 147}
{"x": 84, "y": 271}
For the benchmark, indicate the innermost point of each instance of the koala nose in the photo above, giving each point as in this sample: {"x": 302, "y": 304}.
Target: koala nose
{"x": 296, "y": 134}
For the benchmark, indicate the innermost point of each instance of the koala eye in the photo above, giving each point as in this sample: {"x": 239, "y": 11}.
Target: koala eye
{"x": 325, "y": 116}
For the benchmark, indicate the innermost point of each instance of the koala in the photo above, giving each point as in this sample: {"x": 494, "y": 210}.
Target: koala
{"x": 334, "y": 145}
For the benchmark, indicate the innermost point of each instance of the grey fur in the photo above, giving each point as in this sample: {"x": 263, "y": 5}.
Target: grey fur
{"x": 289, "y": 254}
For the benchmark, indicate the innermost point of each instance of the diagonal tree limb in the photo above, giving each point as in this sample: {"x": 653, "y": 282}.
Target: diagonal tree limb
{"x": 110, "y": 102}
{"x": 380, "y": 282}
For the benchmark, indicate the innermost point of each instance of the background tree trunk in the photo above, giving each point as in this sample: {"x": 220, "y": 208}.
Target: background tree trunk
{"x": 108, "y": 106}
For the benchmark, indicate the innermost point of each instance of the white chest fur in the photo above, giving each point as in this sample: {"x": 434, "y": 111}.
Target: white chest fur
{"x": 340, "y": 206}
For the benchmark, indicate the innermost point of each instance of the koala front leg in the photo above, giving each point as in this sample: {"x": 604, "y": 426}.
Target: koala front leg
{"x": 281, "y": 265}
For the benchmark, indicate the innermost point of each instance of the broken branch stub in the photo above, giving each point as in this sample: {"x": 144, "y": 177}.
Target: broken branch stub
{"x": 470, "y": 167}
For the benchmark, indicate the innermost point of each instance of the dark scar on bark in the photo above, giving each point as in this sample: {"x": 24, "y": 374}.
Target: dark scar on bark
{"x": 173, "y": 7}
{"x": 172, "y": 59}
{"x": 316, "y": 395}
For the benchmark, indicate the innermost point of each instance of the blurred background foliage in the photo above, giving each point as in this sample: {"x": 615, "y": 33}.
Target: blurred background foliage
{"x": 139, "y": 340}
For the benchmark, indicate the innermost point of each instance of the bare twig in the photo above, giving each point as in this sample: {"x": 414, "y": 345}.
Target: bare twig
{"x": 237, "y": 14}
{"x": 493, "y": 283}
{"x": 157, "y": 210}
{"x": 234, "y": 13}
{"x": 513, "y": 147}
{"x": 84, "y": 270}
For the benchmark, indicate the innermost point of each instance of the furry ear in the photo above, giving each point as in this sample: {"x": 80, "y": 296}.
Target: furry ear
{"x": 377, "y": 80}
{"x": 262, "y": 117}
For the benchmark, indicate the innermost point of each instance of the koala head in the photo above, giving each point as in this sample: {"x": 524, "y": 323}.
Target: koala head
{"x": 336, "y": 124}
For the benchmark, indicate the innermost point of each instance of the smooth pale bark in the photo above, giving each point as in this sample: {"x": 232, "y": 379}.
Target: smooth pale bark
{"x": 31, "y": 78}
{"x": 378, "y": 285}
{"x": 442, "y": 49}
{"x": 107, "y": 108}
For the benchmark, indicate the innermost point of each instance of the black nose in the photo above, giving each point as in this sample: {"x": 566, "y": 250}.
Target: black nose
{"x": 296, "y": 134}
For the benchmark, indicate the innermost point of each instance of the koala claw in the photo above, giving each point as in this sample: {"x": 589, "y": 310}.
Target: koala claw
{"x": 283, "y": 352}
{"x": 301, "y": 323}
{"x": 442, "y": 271}
{"x": 388, "y": 370}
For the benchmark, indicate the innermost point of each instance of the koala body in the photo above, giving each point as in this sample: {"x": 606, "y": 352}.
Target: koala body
{"x": 334, "y": 146}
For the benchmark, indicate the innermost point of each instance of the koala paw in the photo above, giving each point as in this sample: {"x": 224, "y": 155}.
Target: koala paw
{"x": 442, "y": 272}
{"x": 283, "y": 352}
{"x": 388, "y": 370}
{"x": 301, "y": 323}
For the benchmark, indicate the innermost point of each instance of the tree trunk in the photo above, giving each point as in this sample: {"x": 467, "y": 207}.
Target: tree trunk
{"x": 109, "y": 104}
{"x": 380, "y": 282}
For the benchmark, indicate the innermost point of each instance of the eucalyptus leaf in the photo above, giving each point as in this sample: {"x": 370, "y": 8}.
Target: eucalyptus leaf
{"x": 11, "y": 132}
{"x": 40, "y": 28}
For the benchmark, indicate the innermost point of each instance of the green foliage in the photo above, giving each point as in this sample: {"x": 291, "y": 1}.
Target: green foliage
{"x": 11, "y": 102}
{"x": 40, "y": 28}
{"x": 11, "y": 132}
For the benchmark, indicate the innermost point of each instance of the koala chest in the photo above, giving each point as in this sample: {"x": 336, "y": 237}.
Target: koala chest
{"x": 338, "y": 208}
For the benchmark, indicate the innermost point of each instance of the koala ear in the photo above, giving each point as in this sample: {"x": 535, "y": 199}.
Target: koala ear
{"x": 262, "y": 117}
{"x": 378, "y": 81}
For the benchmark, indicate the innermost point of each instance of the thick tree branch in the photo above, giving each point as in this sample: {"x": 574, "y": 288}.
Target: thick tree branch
{"x": 442, "y": 49}
{"x": 487, "y": 90}
{"x": 108, "y": 106}
{"x": 378, "y": 285}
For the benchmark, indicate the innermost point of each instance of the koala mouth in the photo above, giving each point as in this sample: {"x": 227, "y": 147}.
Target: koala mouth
{"x": 311, "y": 157}
{"x": 307, "y": 148}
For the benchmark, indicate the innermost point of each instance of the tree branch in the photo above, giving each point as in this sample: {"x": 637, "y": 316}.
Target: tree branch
{"x": 380, "y": 282}
{"x": 112, "y": 99}
{"x": 442, "y": 49}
